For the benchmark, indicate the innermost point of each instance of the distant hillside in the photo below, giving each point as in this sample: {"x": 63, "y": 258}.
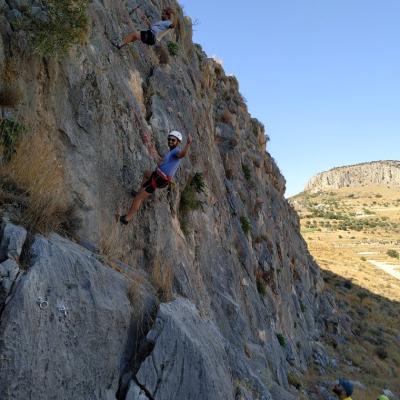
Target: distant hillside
{"x": 354, "y": 235}
{"x": 386, "y": 173}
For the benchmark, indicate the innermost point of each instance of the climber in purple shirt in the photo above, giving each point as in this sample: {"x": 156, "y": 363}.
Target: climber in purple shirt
{"x": 163, "y": 174}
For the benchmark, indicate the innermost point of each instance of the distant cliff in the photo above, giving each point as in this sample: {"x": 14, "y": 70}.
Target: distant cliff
{"x": 385, "y": 173}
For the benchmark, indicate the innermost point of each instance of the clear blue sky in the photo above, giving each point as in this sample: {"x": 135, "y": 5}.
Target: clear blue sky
{"x": 322, "y": 75}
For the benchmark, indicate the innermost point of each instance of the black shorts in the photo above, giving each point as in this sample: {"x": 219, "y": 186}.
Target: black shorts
{"x": 148, "y": 37}
{"x": 155, "y": 181}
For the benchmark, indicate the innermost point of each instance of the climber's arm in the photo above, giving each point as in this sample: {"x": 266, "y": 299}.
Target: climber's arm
{"x": 184, "y": 151}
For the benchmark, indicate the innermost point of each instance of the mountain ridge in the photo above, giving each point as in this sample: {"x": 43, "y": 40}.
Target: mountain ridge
{"x": 383, "y": 172}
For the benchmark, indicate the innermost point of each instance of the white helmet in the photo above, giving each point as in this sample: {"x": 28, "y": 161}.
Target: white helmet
{"x": 176, "y": 134}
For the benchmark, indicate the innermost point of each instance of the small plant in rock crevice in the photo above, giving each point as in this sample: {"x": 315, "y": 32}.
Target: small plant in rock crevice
{"x": 245, "y": 224}
{"x": 261, "y": 286}
{"x": 281, "y": 339}
{"x": 246, "y": 172}
{"x": 173, "y": 48}
{"x": 294, "y": 380}
{"x": 189, "y": 198}
{"x": 66, "y": 24}
{"x": 10, "y": 132}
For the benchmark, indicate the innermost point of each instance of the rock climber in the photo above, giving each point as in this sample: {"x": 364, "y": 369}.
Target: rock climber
{"x": 155, "y": 33}
{"x": 343, "y": 389}
{"x": 163, "y": 174}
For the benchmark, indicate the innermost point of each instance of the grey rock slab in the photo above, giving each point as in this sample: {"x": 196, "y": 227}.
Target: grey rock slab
{"x": 8, "y": 273}
{"x": 13, "y": 238}
{"x": 64, "y": 332}
{"x": 14, "y": 15}
{"x": 279, "y": 393}
{"x": 320, "y": 356}
{"x": 188, "y": 361}
{"x": 3, "y": 6}
{"x": 135, "y": 393}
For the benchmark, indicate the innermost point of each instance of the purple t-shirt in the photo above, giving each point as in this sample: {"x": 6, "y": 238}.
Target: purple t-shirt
{"x": 171, "y": 162}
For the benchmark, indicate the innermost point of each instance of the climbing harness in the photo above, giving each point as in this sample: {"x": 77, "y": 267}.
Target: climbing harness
{"x": 160, "y": 174}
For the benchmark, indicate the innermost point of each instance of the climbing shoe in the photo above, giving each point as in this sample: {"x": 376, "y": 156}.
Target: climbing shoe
{"x": 123, "y": 220}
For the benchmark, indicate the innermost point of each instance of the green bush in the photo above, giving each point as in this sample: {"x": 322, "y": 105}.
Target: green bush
{"x": 281, "y": 339}
{"x": 198, "y": 182}
{"x": 393, "y": 253}
{"x": 10, "y": 132}
{"x": 189, "y": 201}
{"x": 189, "y": 198}
{"x": 348, "y": 285}
{"x": 67, "y": 24}
{"x": 381, "y": 353}
{"x": 173, "y": 48}
{"x": 245, "y": 223}
{"x": 294, "y": 380}
{"x": 362, "y": 296}
{"x": 261, "y": 287}
{"x": 246, "y": 172}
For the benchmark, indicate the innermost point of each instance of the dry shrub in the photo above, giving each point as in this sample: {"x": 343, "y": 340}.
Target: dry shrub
{"x": 161, "y": 277}
{"x": 227, "y": 117}
{"x": 11, "y": 70}
{"x": 110, "y": 242}
{"x": 10, "y": 96}
{"x": 137, "y": 296}
{"x": 218, "y": 70}
{"x": 35, "y": 168}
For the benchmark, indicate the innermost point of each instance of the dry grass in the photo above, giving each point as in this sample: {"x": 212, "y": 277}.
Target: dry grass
{"x": 161, "y": 277}
{"x": 109, "y": 242}
{"x": 136, "y": 295}
{"x": 227, "y": 117}
{"x": 11, "y": 70}
{"x": 36, "y": 171}
{"x": 342, "y": 255}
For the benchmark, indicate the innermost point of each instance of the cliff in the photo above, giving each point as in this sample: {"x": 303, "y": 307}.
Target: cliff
{"x": 216, "y": 298}
{"x": 383, "y": 173}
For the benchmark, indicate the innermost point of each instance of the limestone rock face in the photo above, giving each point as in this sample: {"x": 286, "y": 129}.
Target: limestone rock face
{"x": 12, "y": 240}
{"x": 189, "y": 359}
{"x": 64, "y": 331}
{"x": 384, "y": 173}
{"x": 249, "y": 304}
